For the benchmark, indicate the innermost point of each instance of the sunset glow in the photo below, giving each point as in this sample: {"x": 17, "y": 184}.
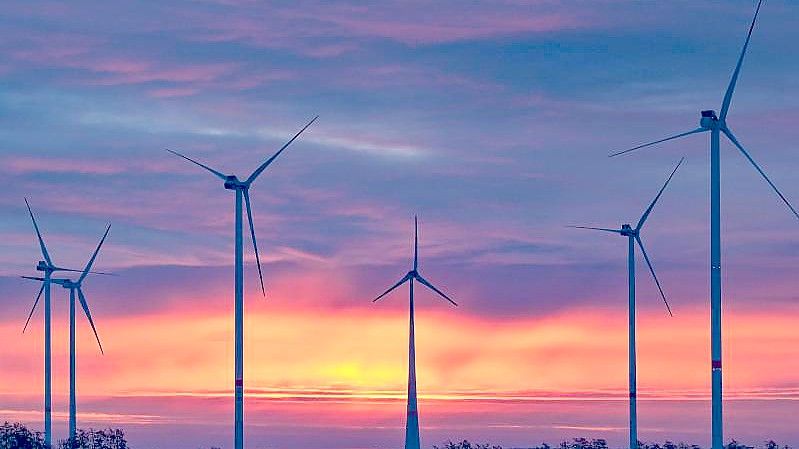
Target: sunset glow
{"x": 490, "y": 121}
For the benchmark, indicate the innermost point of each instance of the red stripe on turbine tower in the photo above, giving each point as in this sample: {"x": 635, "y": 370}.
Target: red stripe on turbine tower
{"x": 716, "y": 364}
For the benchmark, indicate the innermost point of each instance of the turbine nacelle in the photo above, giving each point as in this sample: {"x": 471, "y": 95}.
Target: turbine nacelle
{"x": 709, "y": 119}
{"x": 44, "y": 266}
{"x": 628, "y": 231}
{"x": 232, "y": 183}
{"x": 67, "y": 283}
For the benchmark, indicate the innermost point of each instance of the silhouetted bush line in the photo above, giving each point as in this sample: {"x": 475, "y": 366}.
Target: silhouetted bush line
{"x": 585, "y": 443}
{"x": 17, "y": 436}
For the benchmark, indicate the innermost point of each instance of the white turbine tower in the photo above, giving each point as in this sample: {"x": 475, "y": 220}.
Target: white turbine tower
{"x": 76, "y": 287}
{"x": 242, "y": 189}
{"x": 412, "y": 420}
{"x": 717, "y": 126}
{"x": 634, "y": 236}
{"x": 48, "y": 268}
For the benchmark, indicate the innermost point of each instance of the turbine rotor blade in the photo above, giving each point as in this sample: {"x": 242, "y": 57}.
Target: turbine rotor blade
{"x": 39, "y": 235}
{"x": 616, "y": 231}
{"x": 415, "y": 242}
{"x": 85, "y": 306}
{"x": 654, "y": 276}
{"x": 657, "y": 197}
{"x": 33, "y": 309}
{"x": 94, "y": 256}
{"x": 81, "y": 271}
{"x": 424, "y": 282}
{"x": 676, "y": 136}
{"x": 735, "y": 142}
{"x": 725, "y": 106}
{"x": 254, "y": 243}
{"x": 405, "y": 279}
{"x": 33, "y": 278}
{"x": 263, "y": 166}
{"x": 218, "y": 174}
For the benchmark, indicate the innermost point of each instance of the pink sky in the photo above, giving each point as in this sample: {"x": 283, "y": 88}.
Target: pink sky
{"x": 492, "y": 122}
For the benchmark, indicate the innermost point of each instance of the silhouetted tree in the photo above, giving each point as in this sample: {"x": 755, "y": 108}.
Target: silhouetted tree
{"x": 542, "y": 446}
{"x": 688, "y": 446}
{"x": 465, "y": 444}
{"x": 17, "y": 436}
{"x": 736, "y": 445}
{"x": 667, "y": 445}
{"x": 585, "y": 443}
{"x": 96, "y": 439}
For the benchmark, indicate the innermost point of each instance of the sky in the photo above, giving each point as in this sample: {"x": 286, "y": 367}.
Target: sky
{"x": 492, "y": 121}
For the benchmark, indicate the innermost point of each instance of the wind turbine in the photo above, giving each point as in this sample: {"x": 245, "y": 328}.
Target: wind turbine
{"x": 48, "y": 268}
{"x": 709, "y": 122}
{"x": 412, "y": 421}
{"x": 634, "y": 236}
{"x": 242, "y": 189}
{"x": 76, "y": 287}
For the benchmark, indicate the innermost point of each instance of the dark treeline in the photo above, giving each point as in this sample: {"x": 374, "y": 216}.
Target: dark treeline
{"x": 585, "y": 443}
{"x": 17, "y": 436}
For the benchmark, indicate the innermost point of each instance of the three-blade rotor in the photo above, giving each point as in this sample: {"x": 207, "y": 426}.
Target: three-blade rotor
{"x": 49, "y": 266}
{"x": 710, "y": 122}
{"x": 77, "y": 286}
{"x": 233, "y": 183}
{"x": 414, "y": 273}
{"x": 635, "y": 233}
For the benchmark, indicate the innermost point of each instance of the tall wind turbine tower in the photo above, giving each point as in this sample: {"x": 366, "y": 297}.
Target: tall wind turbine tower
{"x": 242, "y": 191}
{"x": 48, "y": 268}
{"x": 633, "y": 236}
{"x": 76, "y": 289}
{"x": 412, "y": 420}
{"x": 717, "y": 125}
